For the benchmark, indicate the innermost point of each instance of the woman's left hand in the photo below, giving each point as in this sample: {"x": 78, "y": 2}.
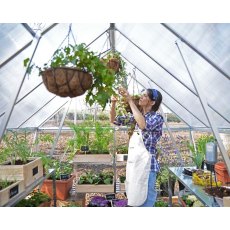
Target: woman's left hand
{"x": 124, "y": 93}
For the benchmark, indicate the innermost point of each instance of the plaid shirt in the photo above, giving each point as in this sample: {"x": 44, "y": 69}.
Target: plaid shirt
{"x": 151, "y": 134}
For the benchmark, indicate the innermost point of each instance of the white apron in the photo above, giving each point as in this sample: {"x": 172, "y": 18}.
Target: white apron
{"x": 137, "y": 170}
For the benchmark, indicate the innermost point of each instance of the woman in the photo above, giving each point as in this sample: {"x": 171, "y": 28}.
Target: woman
{"x": 149, "y": 131}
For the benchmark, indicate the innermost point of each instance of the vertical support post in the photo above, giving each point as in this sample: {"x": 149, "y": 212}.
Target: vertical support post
{"x": 35, "y": 140}
{"x": 59, "y": 130}
{"x": 192, "y": 141}
{"x": 206, "y": 109}
{"x": 112, "y": 36}
{"x": 75, "y": 111}
{"x": 14, "y": 97}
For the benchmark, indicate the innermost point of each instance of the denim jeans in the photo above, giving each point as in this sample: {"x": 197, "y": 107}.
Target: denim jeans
{"x": 152, "y": 193}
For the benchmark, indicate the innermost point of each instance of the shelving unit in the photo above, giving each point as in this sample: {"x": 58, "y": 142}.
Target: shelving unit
{"x": 195, "y": 189}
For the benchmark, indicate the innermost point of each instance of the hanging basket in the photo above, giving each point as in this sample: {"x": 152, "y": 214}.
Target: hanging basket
{"x": 66, "y": 81}
{"x": 136, "y": 102}
{"x": 114, "y": 64}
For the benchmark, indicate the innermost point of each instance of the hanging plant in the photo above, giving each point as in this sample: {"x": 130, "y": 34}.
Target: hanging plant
{"x": 114, "y": 62}
{"x": 73, "y": 70}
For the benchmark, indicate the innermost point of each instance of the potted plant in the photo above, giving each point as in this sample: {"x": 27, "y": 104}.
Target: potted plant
{"x": 199, "y": 150}
{"x": 64, "y": 179}
{"x": 75, "y": 69}
{"x": 18, "y": 161}
{"x": 114, "y": 61}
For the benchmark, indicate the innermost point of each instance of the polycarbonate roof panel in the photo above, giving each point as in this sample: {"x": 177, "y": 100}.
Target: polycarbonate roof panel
{"x": 12, "y": 38}
{"x": 29, "y": 107}
{"x": 158, "y": 60}
{"x": 211, "y": 39}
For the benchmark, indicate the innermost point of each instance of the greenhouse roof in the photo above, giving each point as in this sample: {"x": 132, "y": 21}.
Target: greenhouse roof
{"x": 161, "y": 56}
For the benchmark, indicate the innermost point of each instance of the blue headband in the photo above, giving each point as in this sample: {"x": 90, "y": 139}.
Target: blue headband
{"x": 155, "y": 94}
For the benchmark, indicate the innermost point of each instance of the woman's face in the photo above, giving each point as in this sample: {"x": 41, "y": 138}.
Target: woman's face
{"x": 144, "y": 100}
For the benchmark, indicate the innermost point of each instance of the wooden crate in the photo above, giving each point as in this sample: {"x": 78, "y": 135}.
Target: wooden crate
{"x": 86, "y": 188}
{"x": 28, "y": 172}
{"x": 11, "y": 191}
{"x": 93, "y": 158}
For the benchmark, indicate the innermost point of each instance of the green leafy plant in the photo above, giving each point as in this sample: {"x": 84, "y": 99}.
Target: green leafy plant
{"x": 199, "y": 150}
{"x": 95, "y": 135}
{"x": 34, "y": 199}
{"x": 5, "y": 183}
{"x": 122, "y": 178}
{"x": 80, "y": 57}
{"x": 94, "y": 178}
{"x": 121, "y": 74}
{"x": 16, "y": 148}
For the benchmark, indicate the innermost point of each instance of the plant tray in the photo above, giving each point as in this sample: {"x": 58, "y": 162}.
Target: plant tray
{"x": 66, "y": 82}
{"x": 11, "y": 191}
{"x": 28, "y": 172}
{"x": 93, "y": 158}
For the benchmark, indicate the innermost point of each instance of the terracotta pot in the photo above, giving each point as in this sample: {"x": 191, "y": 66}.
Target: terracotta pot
{"x": 66, "y": 82}
{"x": 62, "y": 188}
{"x": 114, "y": 64}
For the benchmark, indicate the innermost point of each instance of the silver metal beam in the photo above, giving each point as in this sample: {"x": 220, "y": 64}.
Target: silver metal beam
{"x": 112, "y": 37}
{"x": 29, "y": 29}
{"x": 36, "y": 112}
{"x": 206, "y": 109}
{"x": 60, "y": 128}
{"x": 14, "y": 97}
{"x": 51, "y": 115}
{"x": 196, "y": 50}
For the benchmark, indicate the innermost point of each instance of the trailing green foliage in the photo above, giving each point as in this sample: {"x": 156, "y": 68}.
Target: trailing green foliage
{"x": 79, "y": 56}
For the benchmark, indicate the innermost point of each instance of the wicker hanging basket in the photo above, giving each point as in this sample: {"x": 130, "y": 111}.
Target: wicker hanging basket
{"x": 66, "y": 81}
{"x": 114, "y": 64}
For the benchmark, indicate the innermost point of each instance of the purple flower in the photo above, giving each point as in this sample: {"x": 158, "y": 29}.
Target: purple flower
{"x": 96, "y": 200}
{"x": 120, "y": 203}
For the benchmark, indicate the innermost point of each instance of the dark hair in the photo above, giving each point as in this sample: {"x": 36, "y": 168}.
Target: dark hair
{"x": 156, "y": 96}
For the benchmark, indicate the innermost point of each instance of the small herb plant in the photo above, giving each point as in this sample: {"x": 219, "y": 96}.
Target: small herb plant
{"x": 95, "y": 135}
{"x": 16, "y": 148}
{"x": 94, "y": 178}
{"x": 4, "y": 184}
{"x": 80, "y": 57}
{"x": 34, "y": 200}
{"x": 198, "y": 153}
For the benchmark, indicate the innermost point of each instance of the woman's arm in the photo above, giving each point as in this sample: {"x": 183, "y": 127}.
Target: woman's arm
{"x": 113, "y": 109}
{"x": 140, "y": 119}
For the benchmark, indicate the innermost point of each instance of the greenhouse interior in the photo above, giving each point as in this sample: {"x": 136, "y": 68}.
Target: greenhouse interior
{"x": 60, "y": 147}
